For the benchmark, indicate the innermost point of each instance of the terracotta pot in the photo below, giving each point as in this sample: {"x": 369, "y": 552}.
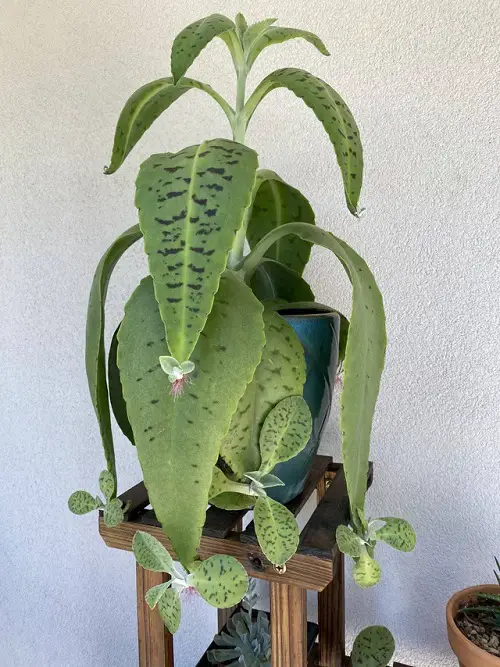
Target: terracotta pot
{"x": 468, "y": 654}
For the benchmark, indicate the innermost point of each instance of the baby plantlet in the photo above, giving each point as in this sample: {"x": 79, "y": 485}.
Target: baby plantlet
{"x": 397, "y": 533}
{"x": 277, "y": 530}
{"x": 220, "y": 580}
{"x": 366, "y": 571}
{"x": 82, "y": 502}
{"x": 373, "y": 647}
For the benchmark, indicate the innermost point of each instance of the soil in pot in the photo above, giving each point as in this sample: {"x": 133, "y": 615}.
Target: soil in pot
{"x": 478, "y": 627}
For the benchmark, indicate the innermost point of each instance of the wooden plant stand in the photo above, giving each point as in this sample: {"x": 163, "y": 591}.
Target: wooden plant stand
{"x": 317, "y": 566}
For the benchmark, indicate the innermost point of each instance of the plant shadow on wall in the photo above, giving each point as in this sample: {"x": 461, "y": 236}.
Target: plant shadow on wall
{"x": 208, "y": 370}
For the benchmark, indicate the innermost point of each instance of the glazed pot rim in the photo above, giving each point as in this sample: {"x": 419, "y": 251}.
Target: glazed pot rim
{"x": 458, "y": 636}
{"x": 299, "y": 314}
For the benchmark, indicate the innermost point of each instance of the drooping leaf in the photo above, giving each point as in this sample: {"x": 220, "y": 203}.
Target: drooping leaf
{"x": 82, "y": 502}
{"x": 366, "y": 571}
{"x": 107, "y": 484}
{"x": 333, "y": 113}
{"x": 144, "y": 107}
{"x": 192, "y": 40}
{"x": 151, "y": 554}
{"x": 373, "y": 647}
{"x": 277, "y": 530}
{"x": 348, "y": 542}
{"x": 285, "y": 432}
{"x": 278, "y": 35}
{"x": 178, "y": 440}
{"x": 154, "y": 594}
{"x": 277, "y": 203}
{"x": 343, "y": 336}
{"x": 364, "y": 355}
{"x": 191, "y": 204}
{"x": 281, "y": 373}
{"x": 220, "y": 580}
{"x": 397, "y": 533}
{"x": 113, "y": 514}
{"x": 94, "y": 351}
{"x": 116, "y": 391}
{"x": 169, "y": 608}
{"x": 273, "y": 280}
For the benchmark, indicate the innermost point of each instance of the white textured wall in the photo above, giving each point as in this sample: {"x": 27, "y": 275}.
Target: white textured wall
{"x": 422, "y": 79}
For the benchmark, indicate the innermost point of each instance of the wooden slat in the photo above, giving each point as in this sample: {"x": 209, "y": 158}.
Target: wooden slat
{"x": 156, "y": 645}
{"x": 138, "y": 498}
{"x": 316, "y": 475}
{"x": 305, "y": 571}
{"x": 219, "y": 523}
{"x": 331, "y": 618}
{"x": 288, "y": 626}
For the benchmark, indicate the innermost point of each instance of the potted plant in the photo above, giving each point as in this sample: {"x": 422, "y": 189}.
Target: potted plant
{"x": 473, "y": 623}
{"x": 220, "y": 372}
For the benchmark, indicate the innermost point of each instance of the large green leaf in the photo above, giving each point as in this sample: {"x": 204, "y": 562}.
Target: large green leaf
{"x": 276, "y": 529}
{"x": 277, "y": 203}
{"x": 253, "y": 32}
{"x": 273, "y": 280}
{"x": 192, "y": 40}
{"x": 178, "y": 440}
{"x": 281, "y": 373}
{"x": 144, "y": 107}
{"x": 285, "y": 432}
{"x": 373, "y": 647}
{"x": 191, "y": 204}
{"x": 364, "y": 354}
{"x": 333, "y": 113}
{"x": 277, "y": 35}
{"x": 116, "y": 391}
{"x": 94, "y": 352}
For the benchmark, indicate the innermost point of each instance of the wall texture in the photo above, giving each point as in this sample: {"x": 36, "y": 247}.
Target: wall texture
{"x": 422, "y": 80}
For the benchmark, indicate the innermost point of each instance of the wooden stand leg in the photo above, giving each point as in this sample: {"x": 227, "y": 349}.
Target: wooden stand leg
{"x": 156, "y": 645}
{"x": 331, "y": 618}
{"x": 288, "y": 626}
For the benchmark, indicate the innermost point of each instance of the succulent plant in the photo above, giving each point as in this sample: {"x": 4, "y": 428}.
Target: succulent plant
{"x": 82, "y": 502}
{"x": 246, "y": 641}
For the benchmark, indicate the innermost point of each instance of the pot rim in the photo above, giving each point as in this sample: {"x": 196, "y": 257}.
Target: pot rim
{"x": 453, "y": 630}
{"x": 307, "y": 314}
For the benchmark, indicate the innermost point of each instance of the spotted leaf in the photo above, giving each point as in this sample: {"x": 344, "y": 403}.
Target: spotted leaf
{"x": 364, "y": 355}
{"x": 276, "y": 203}
{"x": 178, "y": 440}
{"x": 348, "y": 542}
{"x": 192, "y": 40}
{"x": 397, "y": 533}
{"x": 333, "y": 113}
{"x": 154, "y": 594}
{"x": 169, "y": 608}
{"x": 220, "y": 580}
{"x": 276, "y": 529}
{"x": 113, "y": 514}
{"x": 373, "y": 647}
{"x": 191, "y": 204}
{"x": 273, "y": 280}
{"x": 82, "y": 502}
{"x": 253, "y": 32}
{"x": 107, "y": 484}
{"x": 281, "y": 372}
{"x": 94, "y": 351}
{"x": 144, "y": 107}
{"x": 278, "y": 35}
{"x": 151, "y": 554}
{"x": 285, "y": 432}
{"x": 366, "y": 571}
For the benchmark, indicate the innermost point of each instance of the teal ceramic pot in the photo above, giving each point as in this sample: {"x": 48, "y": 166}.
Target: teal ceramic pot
{"x": 318, "y": 332}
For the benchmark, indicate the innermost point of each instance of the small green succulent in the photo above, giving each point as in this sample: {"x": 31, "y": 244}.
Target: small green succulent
{"x": 373, "y": 647}
{"x": 397, "y": 533}
{"x": 82, "y": 502}
{"x": 220, "y": 580}
{"x": 490, "y": 609}
{"x": 247, "y": 639}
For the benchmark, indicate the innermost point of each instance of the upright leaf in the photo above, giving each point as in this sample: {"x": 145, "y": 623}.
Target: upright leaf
{"x": 253, "y": 32}
{"x": 277, "y": 203}
{"x": 285, "y": 432}
{"x": 281, "y": 373}
{"x": 333, "y": 113}
{"x": 191, "y": 204}
{"x": 94, "y": 351}
{"x": 277, "y": 35}
{"x": 276, "y": 529}
{"x": 364, "y": 355}
{"x": 178, "y": 441}
{"x": 273, "y": 280}
{"x": 192, "y": 40}
{"x": 144, "y": 107}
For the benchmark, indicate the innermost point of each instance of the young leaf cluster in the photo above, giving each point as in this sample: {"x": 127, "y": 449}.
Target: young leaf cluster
{"x": 82, "y": 502}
